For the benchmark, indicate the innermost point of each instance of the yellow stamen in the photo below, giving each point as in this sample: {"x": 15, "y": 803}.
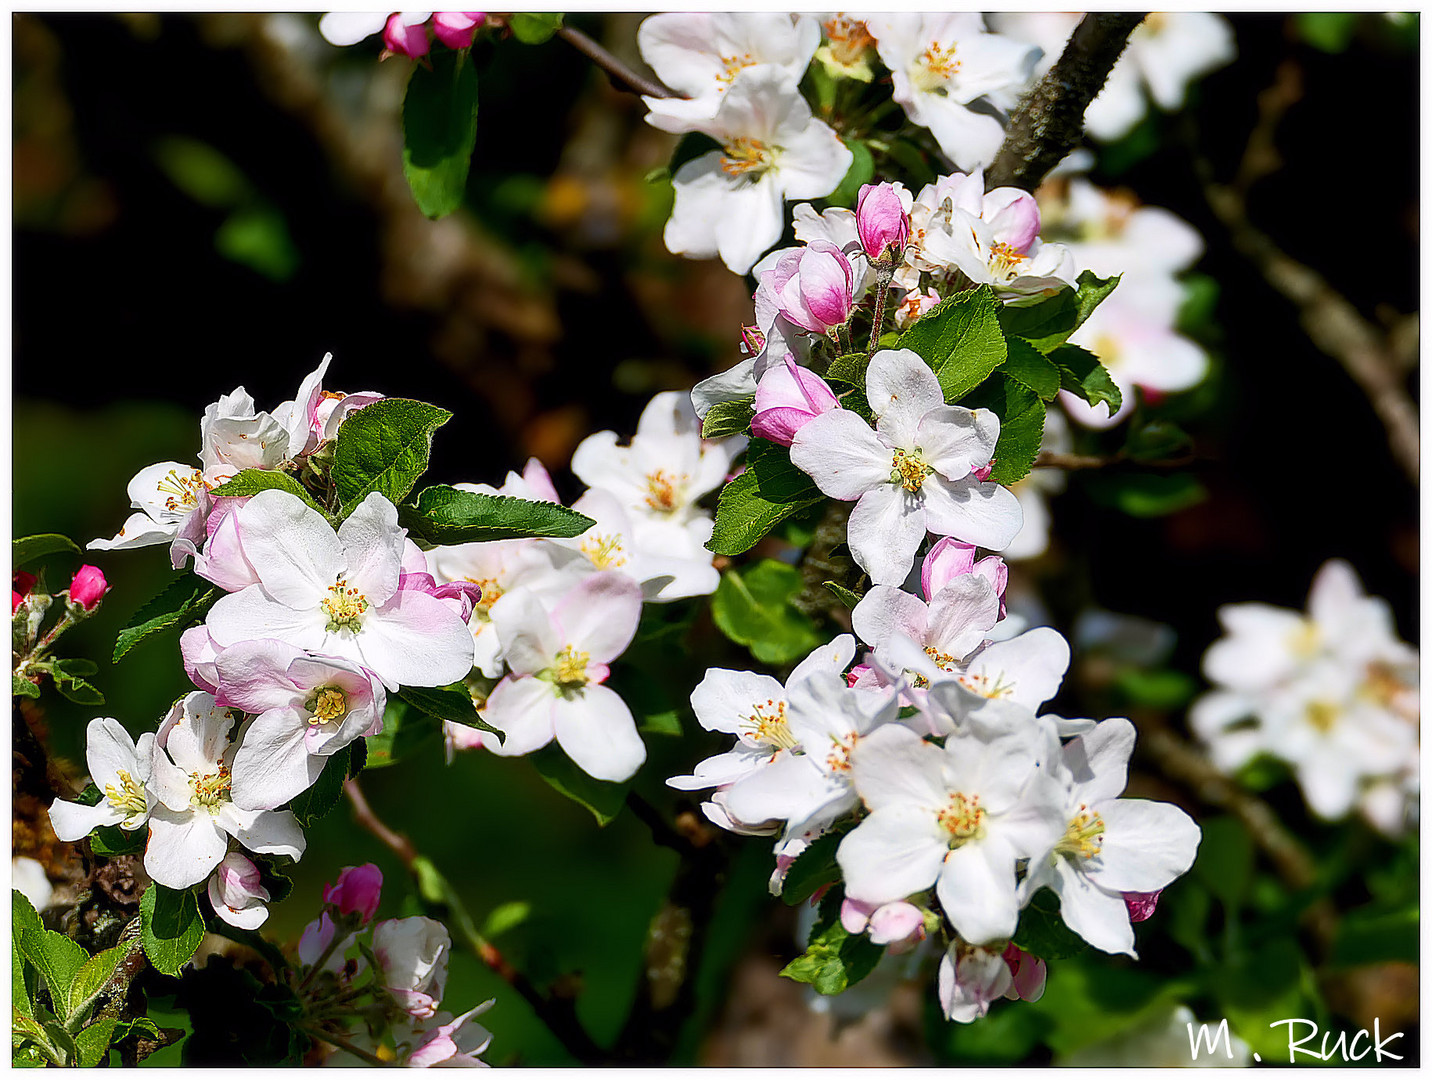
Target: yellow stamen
{"x": 569, "y": 671}
{"x": 605, "y": 551}
{"x": 733, "y": 65}
{"x": 211, "y": 790}
{"x": 934, "y": 67}
{"x": 130, "y": 796}
{"x": 908, "y": 469}
{"x": 491, "y": 593}
{"x": 767, "y": 724}
{"x": 183, "y": 491}
{"x": 746, "y": 157}
{"x": 1084, "y": 837}
{"x": 963, "y": 819}
{"x": 1305, "y": 641}
{"x": 838, "y": 760}
{"x": 943, "y": 660}
{"x": 344, "y": 606}
{"x": 985, "y": 686}
{"x": 664, "y": 490}
{"x": 1005, "y": 263}
{"x": 1322, "y": 715}
{"x": 327, "y": 704}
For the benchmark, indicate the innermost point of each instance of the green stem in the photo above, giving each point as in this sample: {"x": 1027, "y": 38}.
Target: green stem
{"x": 344, "y": 1044}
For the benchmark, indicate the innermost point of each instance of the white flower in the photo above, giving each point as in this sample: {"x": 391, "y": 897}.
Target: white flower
{"x": 120, "y": 768}
{"x": 234, "y": 437}
{"x": 910, "y": 475}
{"x": 28, "y": 877}
{"x": 958, "y": 818}
{"x": 447, "y": 1040}
{"x": 412, "y": 959}
{"x": 969, "y": 979}
{"x": 731, "y": 202}
{"x": 664, "y": 558}
{"x": 950, "y": 627}
{"x": 943, "y": 63}
{"x": 193, "y": 817}
{"x": 1110, "y": 845}
{"x": 307, "y": 708}
{"x": 698, "y": 54}
{"x": 237, "y": 894}
{"x": 337, "y": 594}
{"x": 559, "y": 661}
{"x": 753, "y": 708}
{"x": 659, "y": 477}
{"x": 172, "y": 501}
{"x": 1111, "y": 233}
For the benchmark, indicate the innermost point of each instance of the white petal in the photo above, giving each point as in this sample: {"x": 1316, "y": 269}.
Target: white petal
{"x": 981, "y": 513}
{"x": 976, "y": 888}
{"x": 273, "y": 763}
{"x": 893, "y": 766}
{"x": 1101, "y": 918}
{"x": 724, "y": 698}
{"x": 295, "y": 552}
{"x": 1146, "y": 845}
{"x": 597, "y": 731}
{"x": 183, "y": 848}
{"x": 893, "y": 853}
{"x": 886, "y": 610}
{"x": 416, "y": 640}
{"x": 885, "y": 530}
{"x": 841, "y": 453}
{"x": 373, "y": 548}
{"x": 521, "y": 708}
{"x": 599, "y": 616}
{"x": 73, "y": 821}
{"x": 902, "y": 389}
{"x": 269, "y": 832}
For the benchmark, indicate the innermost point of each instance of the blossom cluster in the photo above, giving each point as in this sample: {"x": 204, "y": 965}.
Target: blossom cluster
{"x": 554, "y": 614}
{"x": 405, "y": 33}
{"x": 1332, "y": 692}
{"x": 955, "y": 799}
{"x": 400, "y": 965}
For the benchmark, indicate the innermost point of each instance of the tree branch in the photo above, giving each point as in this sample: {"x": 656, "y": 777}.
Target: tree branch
{"x": 1050, "y": 119}
{"x": 558, "y": 1013}
{"x": 1048, "y": 459}
{"x": 619, "y": 71}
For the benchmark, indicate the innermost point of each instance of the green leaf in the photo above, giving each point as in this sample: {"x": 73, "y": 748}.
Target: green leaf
{"x": 252, "y": 481}
{"x": 860, "y": 173}
{"x": 1146, "y": 494}
{"x": 603, "y": 799}
{"x": 75, "y": 689}
{"x": 1081, "y": 373}
{"x": 93, "y": 1042}
{"x": 835, "y": 959}
{"x": 95, "y": 975}
{"x": 1327, "y": 31}
{"x": 1047, "y": 323}
{"x": 110, "y": 841}
{"x": 753, "y": 608}
{"x": 769, "y": 491}
{"x": 405, "y": 731}
{"x": 729, "y": 418}
{"x": 257, "y": 236}
{"x": 22, "y": 982}
{"x": 27, "y": 549}
{"x": 384, "y": 448}
{"x": 814, "y": 868}
{"x": 31, "y": 1044}
{"x": 1042, "y": 931}
{"x": 23, "y": 687}
{"x": 322, "y": 796}
{"x": 73, "y": 666}
{"x": 960, "y": 339}
{"x": 447, "y": 703}
{"x": 506, "y": 917}
{"x": 1021, "y": 425}
{"x": 448, "y": 515}
{"x": 1156, "y": 439}
{"x": 1225, "y": 860}
{"x": 1200, "y": 301}
{"x": 440, "y": 130}
{"x": 171, "y": 927}
{"x": 57, "y": 959}
{"x": 844, "y": 595}
{"x": 182, "y": 604}
{"x": 23, "y": 916}
{"x": 534, "y": 27}
{"x": 1031, "y": 369}
{"x": 1165, "y": 689}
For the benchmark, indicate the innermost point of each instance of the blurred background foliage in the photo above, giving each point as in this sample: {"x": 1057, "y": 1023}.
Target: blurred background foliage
{"x": 202, "y": 202}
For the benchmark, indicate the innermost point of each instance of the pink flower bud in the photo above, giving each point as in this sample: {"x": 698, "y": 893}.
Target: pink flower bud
{"x": 1012, "y": 216}
{"x": 403, "y": 39}
{"x": 951, "y": 558}
{"x": 882, "y": 218}
{"x": 20, "y": 588}
{"x": 787, "y": 398}
{"x": 88, "y": 587}
{"x": 982, "y": 472}
{"x": 1028, "y": 972}
{"x": 1141, "y": 904}
{"x": 814, "y": 286}
{"x": 896, "y": 923}
{"x": 237, "y": 894}
{"x": 357, "y": 889}
{"x": 456, "y": 29}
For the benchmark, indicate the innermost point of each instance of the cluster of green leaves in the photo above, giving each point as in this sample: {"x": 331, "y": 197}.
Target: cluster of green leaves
{"x": 68, "y": 1007}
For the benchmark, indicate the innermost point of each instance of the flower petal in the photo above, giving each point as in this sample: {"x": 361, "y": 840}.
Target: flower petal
{"x": 598, "y": 733}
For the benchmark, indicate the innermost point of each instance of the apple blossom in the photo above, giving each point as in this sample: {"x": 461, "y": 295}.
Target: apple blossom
{"x": 413, "y": 956}
{"x": 787, "y": 398}
{"x": 666, "y": 560}
{"x": 237, "y": 893}
{"x": 1027, "y": 973}
{"x": 234, "y": 437}
{"x": 558, "y": 661}
{"x": 192, "y": 816}
{"x": 172, "y": 501}
{"x": 950, "y": 558}
{"x": 912, "y": 473}
{"x": 814, "y": 285}
{"x": 356, "y": 891}
{"x": 893, "y": 924}
{"x": 847, "y": 48}
{"x": 456, "y": 29}
{"x": 970, "y": 978}
{"x": 88, "y": 587}
{"x": 336, "y": 593}
{"x": 119, "y": 767}
{"x": 882, "y": 216}
{"x": 451, "y": 1041}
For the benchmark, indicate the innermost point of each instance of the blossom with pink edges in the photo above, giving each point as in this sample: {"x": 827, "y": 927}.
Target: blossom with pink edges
{"x": 787, "y": 398}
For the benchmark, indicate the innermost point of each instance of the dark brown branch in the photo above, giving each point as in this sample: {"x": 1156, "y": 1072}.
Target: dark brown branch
{"x": 1050, "y": 120}
{"x": 619, "y": 71}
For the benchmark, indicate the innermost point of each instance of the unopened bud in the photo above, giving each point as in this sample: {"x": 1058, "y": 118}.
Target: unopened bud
{"x": 88, "y": 587}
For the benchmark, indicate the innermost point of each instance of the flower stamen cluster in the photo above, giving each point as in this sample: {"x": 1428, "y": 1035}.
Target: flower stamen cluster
{"x": 344, "y": 606}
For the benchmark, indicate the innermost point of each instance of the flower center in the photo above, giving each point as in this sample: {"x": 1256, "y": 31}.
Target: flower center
{"x": 838, "y": 760}
{"x": 1084, "y": 837}
{"x": 1005, "y": 263}
{"x": 986, "y": 685}
{"x": 344, "y": 606}
{"x": 606, "y": 551}
{"x": 210, "y": 790}
{"x": 733, "y": 65}
{"x": 328, "y": 703}
{"x": 963, "y": 819}
{"x": 746, "y": 157}
{"x": 569, "y": 669}
{"x": 943, "y": 660}
{"x": 491, "y": 593}
{"x": 934, "y": 67}
{"x": 849, "y": 41}
{"x": 129, "y": 797}
{"x": 182, "y": 491}
{"x": 908, "y": 469}
{"x": 1305, "y": 640}
{"x": 1385, "y": 687}
{"x": 1322, "y": 715}
{"x": 767, "y": 724}
{"x": 664, "y": 489}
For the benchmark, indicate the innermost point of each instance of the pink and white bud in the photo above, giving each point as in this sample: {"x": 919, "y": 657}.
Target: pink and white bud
{"x": 223, "y": 561}
{"x": 200, "y": 656}
{"x": 787, "y": 398}
{"x": 970, "y": 978}
{"x": 21, "y": 586}
{"x": 88, "y": 587}
{"x": 882, "y": 218}
{"x": 454, "y": 1043}
{"x": 237, "y": 893}
{"x": 456, "y": 29}
{"x": 814, "y": 286}
{"x": 951, "y": 558}
{"x": 405, "y": 38}
{"x": 898, "y": 924}
{"x": 1013, "y": 217}
{"x": 334, "y": 408}
{"x": 458, "y": 596}
{"x": 413, "y": 961}
{"x": 356, "y": 890}
{"x": 1028, "y": 973}
{"x": 1141, "y": 905}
